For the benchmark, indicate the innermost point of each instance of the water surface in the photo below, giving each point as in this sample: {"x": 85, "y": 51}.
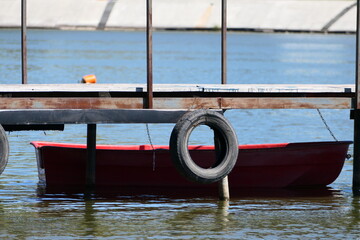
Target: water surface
{"x": 181, "y": 57}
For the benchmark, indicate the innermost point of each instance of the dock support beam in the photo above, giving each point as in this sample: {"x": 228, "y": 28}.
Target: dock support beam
{"x": 91, "y": 158}
{"x": 224, "y": 193}
{"x": 223, "y": 184}
{"x": 356, "y": 113}
{"x": 356, "y": 155}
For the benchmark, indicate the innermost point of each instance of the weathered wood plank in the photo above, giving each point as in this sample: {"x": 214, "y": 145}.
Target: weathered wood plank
{"x": 268, "y": 88}
{"x": 286, "y": 103}
{"x": 71, "y": 103}
{"x": 252, "y": 103}
{"x": 177, "y": 103}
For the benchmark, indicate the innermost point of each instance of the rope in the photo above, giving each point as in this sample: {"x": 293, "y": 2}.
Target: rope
{"x": 326, "y": 125}
{"x": 152, "y": 146}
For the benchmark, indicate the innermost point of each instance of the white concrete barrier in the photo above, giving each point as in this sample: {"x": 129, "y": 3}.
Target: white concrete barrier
{"x": 278, "y": 15}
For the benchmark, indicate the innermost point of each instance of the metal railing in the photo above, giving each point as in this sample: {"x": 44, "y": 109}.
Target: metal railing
{"x": 149, "y": 44}
{"x": 23, "y": 43}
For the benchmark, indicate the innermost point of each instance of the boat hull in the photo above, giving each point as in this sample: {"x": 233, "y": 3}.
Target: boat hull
{"x": 258, "y": 166}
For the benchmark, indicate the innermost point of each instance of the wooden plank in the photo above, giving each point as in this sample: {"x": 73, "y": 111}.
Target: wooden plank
{"x": 94, "y": 87}
{"x": 252, "y": 103}
{"x": 286, "y": 103}
{"x": 71, "y": 103}
{"x": 178, "y": 103}
{"x": 279, "y": 88}
{"x": 264, "y": 88}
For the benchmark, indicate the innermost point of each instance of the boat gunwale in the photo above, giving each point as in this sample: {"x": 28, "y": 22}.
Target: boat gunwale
{"x": 148, "y": 147}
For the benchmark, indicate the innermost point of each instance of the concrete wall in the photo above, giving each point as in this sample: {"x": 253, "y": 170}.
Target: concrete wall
{"x": 283, "y": 15}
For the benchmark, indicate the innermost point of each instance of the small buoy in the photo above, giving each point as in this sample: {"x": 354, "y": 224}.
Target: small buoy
{"x": 91, "y": 78}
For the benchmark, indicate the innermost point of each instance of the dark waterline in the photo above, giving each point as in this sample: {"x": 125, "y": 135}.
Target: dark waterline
{"x": 181, "y": 57}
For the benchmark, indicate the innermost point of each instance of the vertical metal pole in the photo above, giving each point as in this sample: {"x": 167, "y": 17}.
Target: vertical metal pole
{"x": 223, "y": 41}
{"x": 356, "y": 160}
{"x": 149, "y": 51}
{"x": 224, "y": 193}
{"x": 23, "y": 43}
{"x": 91, "y": 156}
{"x": 356, "y": 155}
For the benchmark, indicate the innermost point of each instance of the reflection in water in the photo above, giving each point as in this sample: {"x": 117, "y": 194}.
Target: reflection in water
{"x": 222, "y": 216}
{"x": 89, "y": 221}
{"x": 277, "y": 215}
{"x": 355, "y": 214}
{"x": 133, "y": 217}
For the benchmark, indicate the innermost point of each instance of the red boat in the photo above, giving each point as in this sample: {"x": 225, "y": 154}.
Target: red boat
{"x": 145, "y": 166}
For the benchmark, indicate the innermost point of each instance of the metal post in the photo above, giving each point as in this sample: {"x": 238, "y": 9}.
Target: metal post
{"x": 223, "y": 41}
{"x": 23, "y": 43}
{"x": 224, "y": 193}
{"x": 149, "y": 103}
{"x": 356, "y": 155}
{"x": 356, "y": 160}
{"x": 91, "y": 156}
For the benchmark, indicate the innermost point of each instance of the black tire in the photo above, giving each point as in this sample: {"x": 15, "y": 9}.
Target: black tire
{"x": 4, "y": 149}
{"x": 226, "y": 145}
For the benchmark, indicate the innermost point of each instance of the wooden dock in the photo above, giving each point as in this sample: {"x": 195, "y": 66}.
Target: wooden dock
{"x": 126, "y": 103}
{"x": 28, "y": 106}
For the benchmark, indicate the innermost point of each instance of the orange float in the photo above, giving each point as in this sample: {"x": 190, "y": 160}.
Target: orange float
{"x": 91, "y": 78}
